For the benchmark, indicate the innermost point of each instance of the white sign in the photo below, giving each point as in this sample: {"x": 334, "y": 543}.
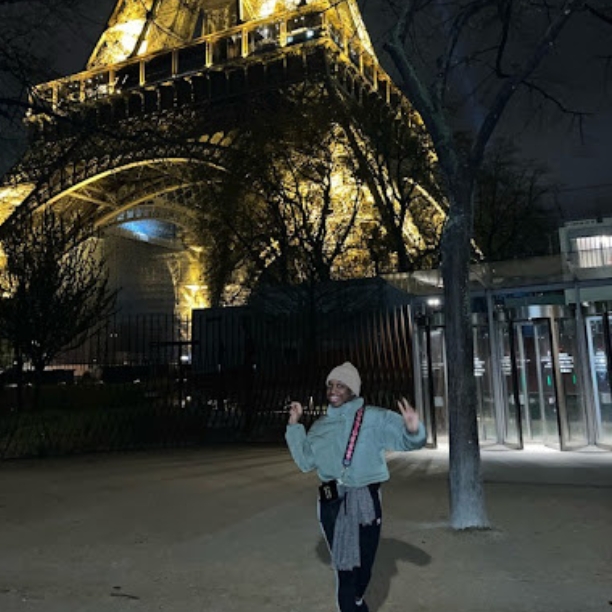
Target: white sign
{"x": 424, "y": 369}
{"x": 479, "y": 367}
{"x": 506, "y": 365}
{"x": 566, "y": 363}
{"x": 601, "y": 362}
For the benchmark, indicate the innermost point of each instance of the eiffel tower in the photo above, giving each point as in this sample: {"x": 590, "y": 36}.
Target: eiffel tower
{"x": 135, "y": 141}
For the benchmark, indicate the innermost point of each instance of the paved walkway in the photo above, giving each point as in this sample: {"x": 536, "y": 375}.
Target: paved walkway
{"x": 234, "y": 530}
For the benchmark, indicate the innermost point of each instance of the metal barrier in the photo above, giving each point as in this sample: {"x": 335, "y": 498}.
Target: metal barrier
{"x": 146, "y": 382}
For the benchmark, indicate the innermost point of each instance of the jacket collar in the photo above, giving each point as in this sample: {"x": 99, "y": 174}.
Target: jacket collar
{"x": 349, "y": 407}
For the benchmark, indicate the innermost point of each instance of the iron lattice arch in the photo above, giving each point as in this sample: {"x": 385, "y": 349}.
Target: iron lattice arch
{"x": 153, "y": 136}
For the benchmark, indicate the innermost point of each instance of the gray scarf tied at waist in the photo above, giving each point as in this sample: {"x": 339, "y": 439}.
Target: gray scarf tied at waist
{"x": 357, "y": 509}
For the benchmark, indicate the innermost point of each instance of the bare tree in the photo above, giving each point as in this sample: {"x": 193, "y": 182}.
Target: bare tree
{"x": 291, "y": 204}
{"x": 396, "y": 159}
{"x": 514, "y": 214}
{"x": 325, "y": 191}
{"x": 462, "y": 64}
{"x": 54, "y": 287}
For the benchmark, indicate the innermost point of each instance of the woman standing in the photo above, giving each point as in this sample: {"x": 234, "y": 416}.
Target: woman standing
{"x": 347, "y": 448}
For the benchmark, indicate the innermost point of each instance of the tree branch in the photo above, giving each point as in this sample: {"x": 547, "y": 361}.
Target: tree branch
{"x": 456, "y": 31}
{"x": 421, "y": 97}
{"x": 550, "y": 98}
{"x": 606, "y": 18}
{"x": 508, "y": 89}
{"x": 506, "y": 18}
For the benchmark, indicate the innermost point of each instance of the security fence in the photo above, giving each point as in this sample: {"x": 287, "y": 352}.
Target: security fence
{"x": 227, "y": 375}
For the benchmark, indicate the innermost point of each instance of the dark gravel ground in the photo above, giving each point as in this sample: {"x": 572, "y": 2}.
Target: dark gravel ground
{"x": 234, "y": 530}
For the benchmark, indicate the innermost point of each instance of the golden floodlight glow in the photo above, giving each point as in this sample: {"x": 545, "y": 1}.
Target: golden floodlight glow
{"x": 267, "y": 8}
{"x": 189, "y": 289}
{"x": 192, "y": 297}
{"x": 126, "y": 36}
{"x": 11, "y": 197}
{"x": 130, "y": 31}
{"x": 342, "y": 205}
{"x": 5, "y": 293}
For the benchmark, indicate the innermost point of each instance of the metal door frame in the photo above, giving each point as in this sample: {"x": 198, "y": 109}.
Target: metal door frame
{"x": 607, "y": 342}
{"x": 551, "y": 316}
{"x": 520, "y": 445}
{"x": 514, "y": 338}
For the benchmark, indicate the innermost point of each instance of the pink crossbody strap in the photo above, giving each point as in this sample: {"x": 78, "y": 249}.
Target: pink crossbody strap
{"x": 352, "y": 441}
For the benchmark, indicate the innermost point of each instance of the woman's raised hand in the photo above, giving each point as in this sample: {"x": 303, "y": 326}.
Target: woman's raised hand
{"x": 411, "y": 416}
{"x": 295, "y": 412}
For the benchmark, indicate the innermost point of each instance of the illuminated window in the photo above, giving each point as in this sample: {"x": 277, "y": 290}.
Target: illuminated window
{"x": 593, "y": 251}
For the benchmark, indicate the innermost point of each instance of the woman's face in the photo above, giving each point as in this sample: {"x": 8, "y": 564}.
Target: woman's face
{"x": 338, "y": 393}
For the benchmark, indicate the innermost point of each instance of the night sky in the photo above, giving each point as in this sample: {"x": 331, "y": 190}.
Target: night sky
{"x": 580, "y": 162}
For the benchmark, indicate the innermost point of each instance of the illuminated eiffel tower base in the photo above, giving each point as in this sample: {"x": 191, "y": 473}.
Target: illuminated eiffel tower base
{"x": 135, "y": 141}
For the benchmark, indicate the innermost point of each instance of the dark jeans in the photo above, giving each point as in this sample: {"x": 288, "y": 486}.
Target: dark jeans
{"x": 352, "y": 584}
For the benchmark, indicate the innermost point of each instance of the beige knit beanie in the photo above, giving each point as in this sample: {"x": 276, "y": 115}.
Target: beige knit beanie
{"x": 346, "y": 373}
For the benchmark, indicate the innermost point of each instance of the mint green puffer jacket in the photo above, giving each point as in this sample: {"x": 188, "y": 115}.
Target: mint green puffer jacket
{"x": 324, "y": 446}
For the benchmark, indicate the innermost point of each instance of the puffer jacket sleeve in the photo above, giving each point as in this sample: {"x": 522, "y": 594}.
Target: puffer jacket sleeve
{"x": 299, "y": 447}
{"x": 395, "y": 435}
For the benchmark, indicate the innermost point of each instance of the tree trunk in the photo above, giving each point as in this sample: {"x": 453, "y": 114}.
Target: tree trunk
{"x": 404, "y": 263}
{"x": 467, "y": 504}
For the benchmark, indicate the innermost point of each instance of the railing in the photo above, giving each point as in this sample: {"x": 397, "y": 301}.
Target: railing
{"x": 145, "y": 382}
{"x": 209, "y": 52}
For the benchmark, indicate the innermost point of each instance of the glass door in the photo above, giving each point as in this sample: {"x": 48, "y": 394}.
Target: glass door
{"x": 440, "y": 391}
{"x": 425, "y": 378}
{"x": 571, "y": 389}
{"x": 487, "y": 428}
{"x": 528, "y": 365}
{"x": 541, "y": 382}
{"x": 513, "y": 400}
{"x": 432, "y": 358}
{"x": 432, "y": 388}
{"x": 600, "y": 357}
{"x": 542, "y": 411}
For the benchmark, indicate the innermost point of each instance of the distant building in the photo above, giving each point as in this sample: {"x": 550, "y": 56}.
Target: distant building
{"x": 586, "y": 246}
{"x": 542, "y": 343}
